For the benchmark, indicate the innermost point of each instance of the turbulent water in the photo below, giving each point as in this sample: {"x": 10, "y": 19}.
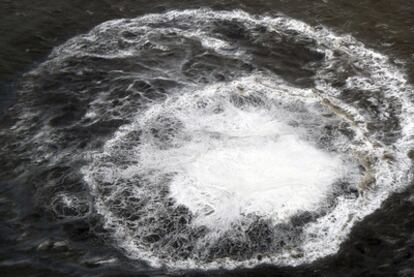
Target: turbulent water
{"x": 200, "y": 139}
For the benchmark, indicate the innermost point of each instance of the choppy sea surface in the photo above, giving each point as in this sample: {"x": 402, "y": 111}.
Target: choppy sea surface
{"x": 206, "y": 138}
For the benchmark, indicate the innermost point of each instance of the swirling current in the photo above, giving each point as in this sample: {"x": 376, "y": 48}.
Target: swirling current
{"x": 203, "y": 139}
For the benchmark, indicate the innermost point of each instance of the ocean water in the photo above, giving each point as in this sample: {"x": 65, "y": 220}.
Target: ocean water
{"x": 213, "y": 138}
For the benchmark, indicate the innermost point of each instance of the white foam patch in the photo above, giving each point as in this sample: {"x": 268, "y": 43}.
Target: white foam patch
{"x": 261, "y": 167}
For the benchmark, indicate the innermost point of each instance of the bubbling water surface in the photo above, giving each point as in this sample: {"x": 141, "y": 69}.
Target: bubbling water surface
{"x": 242, "y": 139}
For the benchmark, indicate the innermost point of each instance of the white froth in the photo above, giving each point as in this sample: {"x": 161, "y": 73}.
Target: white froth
{"x": 225, "y": 161}
{"x": 253, "y": 165}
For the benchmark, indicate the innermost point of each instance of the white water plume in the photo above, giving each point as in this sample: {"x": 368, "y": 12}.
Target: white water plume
{"x": 222, "y": 168}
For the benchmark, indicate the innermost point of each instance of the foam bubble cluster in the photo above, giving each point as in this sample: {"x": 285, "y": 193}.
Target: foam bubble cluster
{"x": 245, "y": 139}
{"x": 230, "y": 160}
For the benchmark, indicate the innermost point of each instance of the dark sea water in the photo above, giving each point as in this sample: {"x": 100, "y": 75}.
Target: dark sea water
{"x": 110, "y": 134}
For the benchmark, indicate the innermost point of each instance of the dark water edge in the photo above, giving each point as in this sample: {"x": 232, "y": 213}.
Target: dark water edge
{"x": 381, "y": 245}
